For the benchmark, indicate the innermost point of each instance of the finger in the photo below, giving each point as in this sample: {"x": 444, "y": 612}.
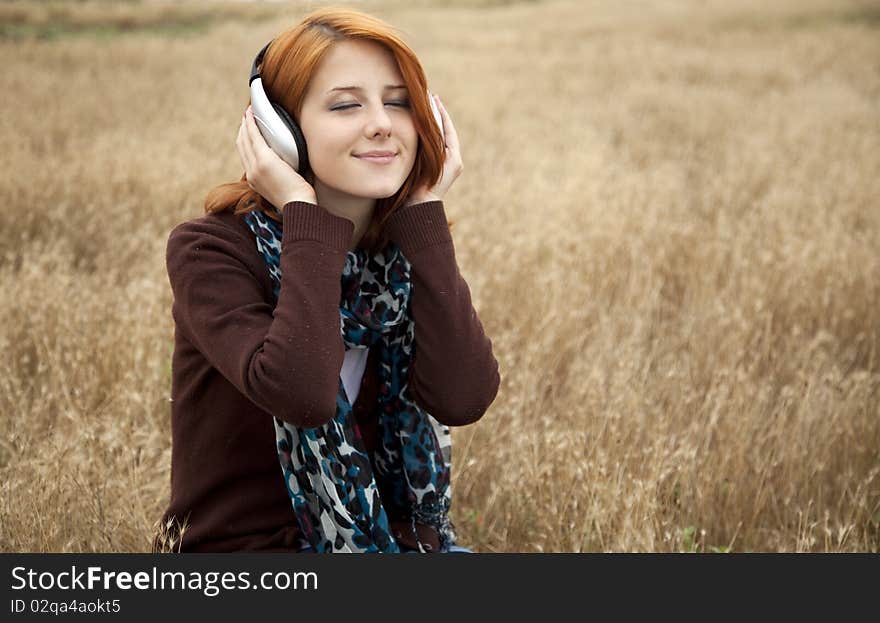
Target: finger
{"x": 244, "y": 148}
{"x": 448, "y": 126}
{"x": 258, "y": 145}
{"x": 238, "y": 141}
{"x": 247, "y": 157}
{"x": 248, "y": 136}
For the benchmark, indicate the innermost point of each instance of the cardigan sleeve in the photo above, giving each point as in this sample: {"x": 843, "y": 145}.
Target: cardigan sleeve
{"x": 454, "y": 375}
{"x": 286, "y": 360}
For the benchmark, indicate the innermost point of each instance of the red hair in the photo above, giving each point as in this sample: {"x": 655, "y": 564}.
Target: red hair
{"x": 287, "y": 68}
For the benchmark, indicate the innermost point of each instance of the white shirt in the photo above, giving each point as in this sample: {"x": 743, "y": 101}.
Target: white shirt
{"x": 352, "y": 372}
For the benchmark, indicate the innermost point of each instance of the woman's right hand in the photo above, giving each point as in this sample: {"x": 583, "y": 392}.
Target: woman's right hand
{"x": 265, "y": 171}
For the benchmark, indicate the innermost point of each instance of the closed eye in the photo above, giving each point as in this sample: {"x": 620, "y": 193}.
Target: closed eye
{"x": 400, "y": 104}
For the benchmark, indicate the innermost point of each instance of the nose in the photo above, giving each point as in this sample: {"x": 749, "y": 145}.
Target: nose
{"x": 378, "y": 122}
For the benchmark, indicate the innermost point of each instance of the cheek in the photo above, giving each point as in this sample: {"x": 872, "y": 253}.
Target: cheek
{"x": 411, "y": 141}
{"x": 412, "y": 135}
{"x": 323, "y": 140}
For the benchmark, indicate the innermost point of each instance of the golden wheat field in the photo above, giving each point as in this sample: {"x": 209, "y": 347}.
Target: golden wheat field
{"x": 669, "y": 220}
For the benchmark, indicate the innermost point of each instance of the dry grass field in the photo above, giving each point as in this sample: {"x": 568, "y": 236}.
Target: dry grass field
{"x": 669, "y": 219}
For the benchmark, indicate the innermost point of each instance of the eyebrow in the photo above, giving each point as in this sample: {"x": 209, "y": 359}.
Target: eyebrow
{"x": 388, "y": 87}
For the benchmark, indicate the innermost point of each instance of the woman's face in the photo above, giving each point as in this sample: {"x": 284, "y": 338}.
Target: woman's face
{"x": 340, "y": 125}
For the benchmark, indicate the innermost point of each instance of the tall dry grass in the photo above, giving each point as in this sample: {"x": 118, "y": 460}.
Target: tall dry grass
{"x": 668, "y": 220}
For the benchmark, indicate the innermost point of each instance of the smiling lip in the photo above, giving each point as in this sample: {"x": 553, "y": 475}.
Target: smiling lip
{"x": 377, "y": 157}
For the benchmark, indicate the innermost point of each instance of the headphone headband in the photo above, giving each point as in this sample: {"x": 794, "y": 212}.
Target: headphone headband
{"x": 255, "y": 73}
{"x": 276, "y": 125}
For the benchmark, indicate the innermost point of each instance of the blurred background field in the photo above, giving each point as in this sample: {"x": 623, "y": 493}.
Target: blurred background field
{"x": 669, "y": 220}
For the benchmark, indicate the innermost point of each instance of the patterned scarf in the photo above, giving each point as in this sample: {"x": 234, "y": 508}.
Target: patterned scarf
{"x": 332, "y": 482}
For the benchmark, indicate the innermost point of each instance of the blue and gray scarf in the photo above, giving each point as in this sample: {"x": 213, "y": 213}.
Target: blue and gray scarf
{"x": 332, "y": 482}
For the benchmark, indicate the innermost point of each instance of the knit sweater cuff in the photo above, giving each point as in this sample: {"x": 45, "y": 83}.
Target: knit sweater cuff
{"x": 307, "y": 221}
{"x": 415, "y": 227}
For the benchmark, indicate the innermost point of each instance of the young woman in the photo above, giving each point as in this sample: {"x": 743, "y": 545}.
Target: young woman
{"x": 321, "y": 321}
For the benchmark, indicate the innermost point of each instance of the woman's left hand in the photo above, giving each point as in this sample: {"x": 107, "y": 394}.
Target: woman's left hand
{"x": 452, "y": 165}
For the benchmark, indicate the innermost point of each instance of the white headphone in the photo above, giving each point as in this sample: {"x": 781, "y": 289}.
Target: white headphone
{"x": 279, "y": 129}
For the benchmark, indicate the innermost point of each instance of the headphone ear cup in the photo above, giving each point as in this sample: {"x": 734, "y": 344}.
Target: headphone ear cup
{"x": 298, "y": 138}
{"x": 280, "y": 132}
{"x": 438, "y": 118}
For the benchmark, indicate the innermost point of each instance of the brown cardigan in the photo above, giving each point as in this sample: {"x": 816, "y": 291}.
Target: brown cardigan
{"x": 239, "y": 360}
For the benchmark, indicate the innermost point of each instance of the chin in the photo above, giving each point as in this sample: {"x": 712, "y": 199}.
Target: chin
{"x": 385, "y": 195}
{"x": 377, "y": 192}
